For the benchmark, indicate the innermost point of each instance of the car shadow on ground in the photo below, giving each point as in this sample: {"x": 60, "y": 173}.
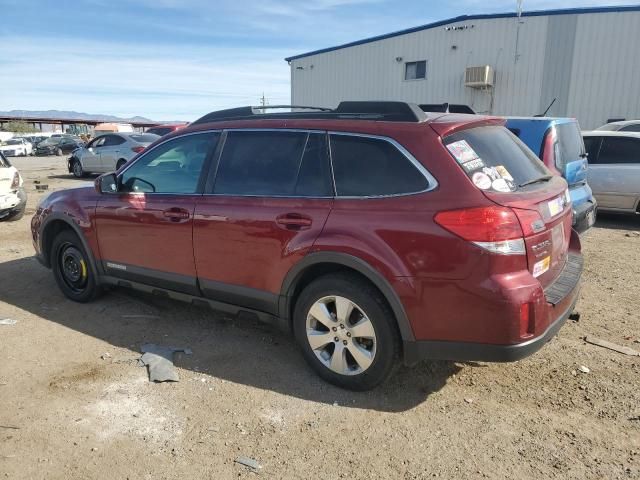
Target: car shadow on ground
{"x": 238, "y": 350}
{"x": 617, "y": 221}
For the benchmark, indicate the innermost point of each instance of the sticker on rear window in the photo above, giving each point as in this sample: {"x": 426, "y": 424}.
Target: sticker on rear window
{"x": 462, "y": 151}
{"x": 500, "y": 185}
{"x": 504, "y": 173}
{"x": 472, "y": 165}
{"x": 481, "y": 180}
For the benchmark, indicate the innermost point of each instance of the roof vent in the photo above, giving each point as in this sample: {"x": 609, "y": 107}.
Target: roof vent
{"x": 479, "y": 77}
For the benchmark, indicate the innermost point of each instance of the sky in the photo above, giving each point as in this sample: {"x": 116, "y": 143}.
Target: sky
{"x": 179, "y": 59}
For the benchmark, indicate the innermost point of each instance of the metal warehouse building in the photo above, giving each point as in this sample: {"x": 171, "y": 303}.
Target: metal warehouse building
{"x": 587, "y": 59}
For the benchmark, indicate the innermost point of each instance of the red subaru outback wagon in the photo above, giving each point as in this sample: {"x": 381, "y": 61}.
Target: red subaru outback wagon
{"x": 374, "y": 232}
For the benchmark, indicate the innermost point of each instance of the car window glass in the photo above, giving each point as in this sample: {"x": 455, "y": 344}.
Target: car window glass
{"x": 273, "y": 163}
{"x": 173, "y": 167}
{"x": 365, "y": 166}
{"x": 96, "y": 142}
{"x": 570, "y": 145}
{"x": 592, "y": 145}
{"x": 635, "y": 127}
{"x": 619, "y": 150}
{"x": 113, "y": 140}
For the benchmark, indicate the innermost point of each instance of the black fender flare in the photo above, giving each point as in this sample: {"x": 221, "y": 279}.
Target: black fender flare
{"x": 53, "y": 217}
{"x": 354, "y": 263}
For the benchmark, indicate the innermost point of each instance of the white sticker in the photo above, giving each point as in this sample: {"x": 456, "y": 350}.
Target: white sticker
{"x": 500, "y": 185}
{"x": 462, "y": 151}
{"x": 504, "y": 173}
{"x": 472, "y": 165}
{"x": 481, "y": 180}
{"x": 542, "y": 266}
{"x": 555, "y": 206}
{"x": 492, "y": 172}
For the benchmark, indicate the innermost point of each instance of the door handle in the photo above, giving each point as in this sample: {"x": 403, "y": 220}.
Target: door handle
{"x": 294, "y": 221}
{"x": 176, "y": 214}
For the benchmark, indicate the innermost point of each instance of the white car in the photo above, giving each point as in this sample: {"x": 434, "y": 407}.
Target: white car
{"x": 13, "y": 198}
{"x": 16, "y": 147}
{"x": 621, "y": 126}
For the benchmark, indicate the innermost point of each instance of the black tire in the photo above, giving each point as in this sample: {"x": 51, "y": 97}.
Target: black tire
{"x": 76, "y": 168}
{"x": 58, "y": 152}
{"x": 372, "y": 303}
{"x": 120, "y": 163}
{"x": 71, "y": 268}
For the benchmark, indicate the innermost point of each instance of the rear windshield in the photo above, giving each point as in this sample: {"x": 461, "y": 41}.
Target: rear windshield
{"x": 495, "y": 159}
{"x": 570, "y": 144}
{"x": 144, "y": 137}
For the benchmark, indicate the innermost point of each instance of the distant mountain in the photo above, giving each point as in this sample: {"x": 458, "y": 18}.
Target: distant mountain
{"x": 69, "y": 114}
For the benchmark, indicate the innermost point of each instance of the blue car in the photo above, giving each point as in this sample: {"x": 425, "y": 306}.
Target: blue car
{"x": 558, "y": 142}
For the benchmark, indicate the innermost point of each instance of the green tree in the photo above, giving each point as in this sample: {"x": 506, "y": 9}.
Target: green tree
{"x": 18, "y": 127}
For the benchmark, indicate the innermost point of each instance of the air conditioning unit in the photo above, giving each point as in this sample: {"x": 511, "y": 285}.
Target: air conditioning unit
{"x": 478, "y": 77}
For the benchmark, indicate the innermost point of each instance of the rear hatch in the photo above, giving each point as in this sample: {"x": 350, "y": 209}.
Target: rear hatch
{"x": 512, "y": 176}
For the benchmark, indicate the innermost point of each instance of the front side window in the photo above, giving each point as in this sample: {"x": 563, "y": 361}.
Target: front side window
{"x": 570, "y": 145}
{"x": 415, "y": 70}
{"x": 173, "y": 167}
{"x": 274, "y": 163}
{"x": 372, "y": 167}
{"x": 619, "y": 150}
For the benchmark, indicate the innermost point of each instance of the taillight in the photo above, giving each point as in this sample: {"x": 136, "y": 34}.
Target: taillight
{"x": 496, "y": 229}
{"x": 549, "y": 150}
{"x": 15, "y": 183}
{"x": 137, "y": 149}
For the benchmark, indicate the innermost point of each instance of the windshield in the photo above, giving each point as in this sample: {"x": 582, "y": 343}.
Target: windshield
{"x": 495, "y": 159}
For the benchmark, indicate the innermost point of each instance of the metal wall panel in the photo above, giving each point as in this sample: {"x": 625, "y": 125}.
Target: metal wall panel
{"x": 601, "y": 67}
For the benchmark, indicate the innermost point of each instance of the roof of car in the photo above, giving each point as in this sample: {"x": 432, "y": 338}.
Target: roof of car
{"x": 621, "y": 123}
{"x": 610, "y": 133}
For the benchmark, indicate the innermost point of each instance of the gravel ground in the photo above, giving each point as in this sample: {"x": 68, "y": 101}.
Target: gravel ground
{"x": 74, "y": 403}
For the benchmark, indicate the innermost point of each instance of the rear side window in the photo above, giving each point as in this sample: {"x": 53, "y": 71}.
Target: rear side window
{"x": 619, "y": 150}
{"x": 113, "y": 140}
{"x": 570, "y": 145}
{"x": 371, "y": 167}
{"x": 273, "y": 163}
{"x": 494, "y": 158}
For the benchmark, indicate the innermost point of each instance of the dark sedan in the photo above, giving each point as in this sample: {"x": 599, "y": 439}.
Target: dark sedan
{"x": 58, "y": 146}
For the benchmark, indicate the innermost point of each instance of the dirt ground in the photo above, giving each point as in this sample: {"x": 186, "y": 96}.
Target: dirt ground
{"x": 74, "y": 403}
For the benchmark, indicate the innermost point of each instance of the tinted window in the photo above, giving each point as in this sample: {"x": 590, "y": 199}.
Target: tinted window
{"x": 365, "y": 167}
{"x": 493, "y": 157}
{"x": 272, "y": 163}
{"x": 592, "y": 145}
{"x": 631, "y": 128}
{"x": 619, "y": 150}
{"x": 113, "y": 140}
{"x": 97, "y": 142}
{"x": 570, "y": 146}
{"x": 173, "y": 167}
{"x": 415, "y": 70}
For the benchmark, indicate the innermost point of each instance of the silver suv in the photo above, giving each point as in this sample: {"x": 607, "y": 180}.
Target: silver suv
{"x": 107, "y": 153}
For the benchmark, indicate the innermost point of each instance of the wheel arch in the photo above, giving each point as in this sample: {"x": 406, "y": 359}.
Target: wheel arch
{"x": 320, "y": 263}
{"x": 55, "y": 224}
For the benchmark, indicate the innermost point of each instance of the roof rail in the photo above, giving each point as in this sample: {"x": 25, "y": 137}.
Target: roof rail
{"x": 352, "y": 110}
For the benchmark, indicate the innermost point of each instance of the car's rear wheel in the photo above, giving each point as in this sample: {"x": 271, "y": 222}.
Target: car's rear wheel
{"x": 76, "y": 168}
{"x": 71, "y": 269}
{"x": 120, "y": 163}
{"x": 59, "y": 152}
{"x": 346, "y": 331}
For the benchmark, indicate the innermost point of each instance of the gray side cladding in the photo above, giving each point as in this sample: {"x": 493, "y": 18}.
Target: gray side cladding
{"x": 558, "y": 58}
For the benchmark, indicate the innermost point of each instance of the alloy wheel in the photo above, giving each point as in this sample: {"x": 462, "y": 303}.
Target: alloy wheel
{"x": 341, "y": 335}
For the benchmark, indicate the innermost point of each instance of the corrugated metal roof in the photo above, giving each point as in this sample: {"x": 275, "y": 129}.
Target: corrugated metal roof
{"x": 465, "y": 18}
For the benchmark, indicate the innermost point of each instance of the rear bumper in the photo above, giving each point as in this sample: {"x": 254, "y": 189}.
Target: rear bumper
{"x": 561, "y": 298}
{"x": 584, "y": 216}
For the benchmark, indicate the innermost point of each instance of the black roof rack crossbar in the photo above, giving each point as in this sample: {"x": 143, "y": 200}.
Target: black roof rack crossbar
{"x": 356, "y": 110}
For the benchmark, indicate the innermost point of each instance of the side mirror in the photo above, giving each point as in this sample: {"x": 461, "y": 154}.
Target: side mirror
{"x": 107, "y": 183}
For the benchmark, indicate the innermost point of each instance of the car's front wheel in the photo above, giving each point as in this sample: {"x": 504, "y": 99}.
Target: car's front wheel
{"x": 58, "y": 152}
{"x": 76, "y": 168}
{"x": 346, "y": 331}
{"x": 70, "y": 265}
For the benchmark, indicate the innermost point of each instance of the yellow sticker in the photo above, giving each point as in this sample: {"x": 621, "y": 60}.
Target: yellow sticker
{"x": 542, "y": 266}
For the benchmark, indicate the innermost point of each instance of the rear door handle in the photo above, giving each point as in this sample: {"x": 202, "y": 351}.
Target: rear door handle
{"x": 294, "y": 221}
{"x": 176, "y": 214}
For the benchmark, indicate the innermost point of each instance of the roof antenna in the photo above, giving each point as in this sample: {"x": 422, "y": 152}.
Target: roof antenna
{"x": 548, "y": 108}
